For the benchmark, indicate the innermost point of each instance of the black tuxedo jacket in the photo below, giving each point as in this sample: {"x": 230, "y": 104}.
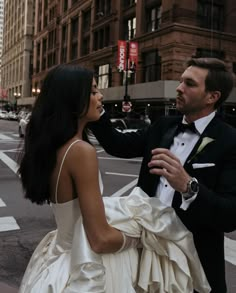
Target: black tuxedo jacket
{"x": 213, "y": 212}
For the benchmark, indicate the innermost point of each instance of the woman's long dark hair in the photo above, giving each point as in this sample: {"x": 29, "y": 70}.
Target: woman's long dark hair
{"x": 64, "y": 97}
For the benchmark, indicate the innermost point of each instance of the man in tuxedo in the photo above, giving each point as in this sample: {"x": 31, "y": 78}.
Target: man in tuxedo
{"x": 189, "y": 162}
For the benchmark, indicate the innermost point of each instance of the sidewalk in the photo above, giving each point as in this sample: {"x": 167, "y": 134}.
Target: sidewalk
{"x": 4, "y": 288}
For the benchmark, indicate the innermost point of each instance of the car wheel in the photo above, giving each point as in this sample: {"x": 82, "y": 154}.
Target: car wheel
{"x": 20, "y": 132}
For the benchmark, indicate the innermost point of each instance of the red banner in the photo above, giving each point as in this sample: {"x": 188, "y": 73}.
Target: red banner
{"x": 3, "y": 93}
{"x": 121, "y": 57}
{"x": 133, "y": 55}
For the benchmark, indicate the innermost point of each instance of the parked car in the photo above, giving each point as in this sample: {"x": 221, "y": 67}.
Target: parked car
{"x": 123, "y": 125}
{"x": 12, "y": 116}
{"x": 22, "y": 124}
{"x": 128, "y": 124}
{"x": 3, "y": 114}
{"x": 119, "y": 123}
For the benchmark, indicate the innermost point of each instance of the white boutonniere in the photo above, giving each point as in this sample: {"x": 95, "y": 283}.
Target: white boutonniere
{"x": 205, "y": 141}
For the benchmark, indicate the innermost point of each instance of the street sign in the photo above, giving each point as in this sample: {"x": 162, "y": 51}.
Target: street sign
{"x": 126, "y": 106}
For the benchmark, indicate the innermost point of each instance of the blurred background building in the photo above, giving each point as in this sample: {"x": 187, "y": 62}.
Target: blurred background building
{"x": 17, "y": 61}
{"x": 87, "y": 32}
{"x": 1, "y": 31}
{"x": 3, "y": 93}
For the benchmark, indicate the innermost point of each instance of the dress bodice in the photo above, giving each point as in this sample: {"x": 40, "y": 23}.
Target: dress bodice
{"x": 66, "y": 214}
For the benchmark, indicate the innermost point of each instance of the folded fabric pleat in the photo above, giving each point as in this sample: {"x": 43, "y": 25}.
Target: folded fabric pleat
{"x": 167, "y": 263}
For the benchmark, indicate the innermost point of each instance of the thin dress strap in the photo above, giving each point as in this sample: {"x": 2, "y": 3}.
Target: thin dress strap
{"x": 59, "y": 174}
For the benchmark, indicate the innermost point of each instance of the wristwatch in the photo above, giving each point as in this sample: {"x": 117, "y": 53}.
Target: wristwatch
{"x": 192, "y": 188}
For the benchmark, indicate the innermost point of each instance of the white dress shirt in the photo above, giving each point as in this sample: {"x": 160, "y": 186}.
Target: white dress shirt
{"x": 182, "y": 146}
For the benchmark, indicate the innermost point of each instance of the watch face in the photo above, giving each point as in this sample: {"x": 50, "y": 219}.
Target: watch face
{"x": 194, "y": 186}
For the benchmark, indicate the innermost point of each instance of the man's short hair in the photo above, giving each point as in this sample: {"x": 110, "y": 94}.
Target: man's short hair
{"x": 219, "y": 78}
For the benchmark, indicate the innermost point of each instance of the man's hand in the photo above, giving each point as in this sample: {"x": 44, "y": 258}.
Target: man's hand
{"x": 164, "y": 163}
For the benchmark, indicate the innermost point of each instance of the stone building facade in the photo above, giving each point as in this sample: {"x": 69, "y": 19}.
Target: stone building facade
{"x": 167, "y": 32}
{"x": 17, "y": 61}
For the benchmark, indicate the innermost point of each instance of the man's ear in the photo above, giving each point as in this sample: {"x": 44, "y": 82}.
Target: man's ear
{"x": 214, "y": 97}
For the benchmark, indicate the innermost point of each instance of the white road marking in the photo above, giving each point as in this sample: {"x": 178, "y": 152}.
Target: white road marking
{"x": 9, "y": 162}
{"x": 12, "y": 150}
{"x": 8, "y": 224}
{"x": 121, "y": 174}
{"x": 5, "y": 137}
{"x": 2, "y": 203}
{"x": 230, "y": 250}
{"x": 125, "y": 188}
{"x": 120, "y": 159}
{"x": 100, "y": 150}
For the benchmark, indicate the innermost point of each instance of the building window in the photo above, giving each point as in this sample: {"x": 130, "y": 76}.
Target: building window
{"x": 74, "y": 38}
{"x": 234, "y": 67}
{"x": 130, "y": 28}
{"x": 64, "y": 44}
{"x": 65, "y": 5}
{"x": 51, "y": 39}
{"x": 102, "y": 38}
{"x": 153, "y": 18}
{"x": 128, "y": 3}
{"x": 210, "y": 15}
{"x": 86, "y": 21}
{"x": 38, "y": 58}
{"x": 45, "y": 22}
{"x": 52, "y": 13}
{"x": 103, "y": 8}
{"x": 86, "y": 45}
{"x": 200, "y": 52}
{"x": 151, "y": 66}
{"x": 51, "y": 59}
{"x": 44, "y": 54}
{"x": 103, "y": 75}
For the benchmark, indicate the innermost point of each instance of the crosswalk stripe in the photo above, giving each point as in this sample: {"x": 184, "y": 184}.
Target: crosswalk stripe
{"x": 2, "y": 203}
{"x": 125, "y": 188}
{"x": 9, "y": 162}
{"x": 121, "y": 174}
{"x": 5, "y": 137}
{"x": 8, "y": 224}
{"x": 230, "y": 250}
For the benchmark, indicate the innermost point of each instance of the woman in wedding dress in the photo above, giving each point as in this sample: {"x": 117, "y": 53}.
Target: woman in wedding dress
{"x": 94, "y": 248}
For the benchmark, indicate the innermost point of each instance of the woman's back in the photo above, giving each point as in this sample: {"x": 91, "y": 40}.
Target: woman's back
{"x": 65, "y": 208}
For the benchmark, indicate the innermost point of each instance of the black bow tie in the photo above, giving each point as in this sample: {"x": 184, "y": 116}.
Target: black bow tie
{"x": 182, "y": 127}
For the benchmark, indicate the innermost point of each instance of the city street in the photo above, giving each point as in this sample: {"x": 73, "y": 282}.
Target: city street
{"x": 23, "y": 224}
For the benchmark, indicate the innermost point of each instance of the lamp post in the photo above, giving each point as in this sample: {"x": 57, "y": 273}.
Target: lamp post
{"x": 126, "y": 96}
{"x": 16, "y": 96}
{"x": 35, "y": 92}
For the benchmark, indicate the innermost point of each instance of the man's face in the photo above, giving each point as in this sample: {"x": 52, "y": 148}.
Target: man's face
{"x": 192, "y": 99}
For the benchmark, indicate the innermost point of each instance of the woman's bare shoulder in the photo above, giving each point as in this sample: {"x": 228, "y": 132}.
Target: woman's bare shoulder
{"x": 81, "y": 150}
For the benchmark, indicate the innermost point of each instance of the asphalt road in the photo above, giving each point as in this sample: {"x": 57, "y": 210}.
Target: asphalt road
{"x": 23, "y": 224}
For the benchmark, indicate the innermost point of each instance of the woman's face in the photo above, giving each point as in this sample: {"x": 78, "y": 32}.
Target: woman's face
{"x": 95, "y": 105}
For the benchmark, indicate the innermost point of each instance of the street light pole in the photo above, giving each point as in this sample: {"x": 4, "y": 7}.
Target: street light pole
{"x": 126, "y": 96}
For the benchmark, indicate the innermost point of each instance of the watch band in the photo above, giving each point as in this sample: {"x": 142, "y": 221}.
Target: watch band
{"x": 192, "y": 188}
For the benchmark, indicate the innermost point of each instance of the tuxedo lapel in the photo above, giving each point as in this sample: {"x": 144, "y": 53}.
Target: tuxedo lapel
{"x": 168, "y": 137}
{"x": 211, "y": 132}
{"x": 162, "y": 137}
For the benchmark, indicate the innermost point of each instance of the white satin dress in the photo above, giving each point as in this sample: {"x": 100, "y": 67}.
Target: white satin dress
{"x": 63, "y": 262}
